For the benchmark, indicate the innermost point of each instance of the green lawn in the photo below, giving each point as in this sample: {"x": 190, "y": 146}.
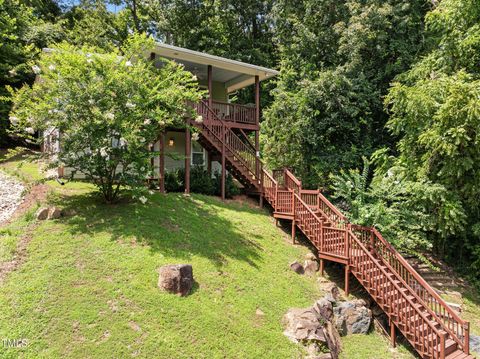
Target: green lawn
{"x": 88, "y": 286}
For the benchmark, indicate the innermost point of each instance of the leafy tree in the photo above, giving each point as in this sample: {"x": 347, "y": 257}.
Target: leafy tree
{"x": 337, "y": 61}
{"x": 90, "y": 23}
{"x": 435, "y": 112}
{"x": 15, "y": 20}
{"x": 104, "y": 109}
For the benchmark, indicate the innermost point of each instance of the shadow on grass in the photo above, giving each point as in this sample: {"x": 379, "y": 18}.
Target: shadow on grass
{"x": 173, "y": 225}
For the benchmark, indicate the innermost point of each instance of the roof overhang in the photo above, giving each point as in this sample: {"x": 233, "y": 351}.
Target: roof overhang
{"x": 234, "y": 74}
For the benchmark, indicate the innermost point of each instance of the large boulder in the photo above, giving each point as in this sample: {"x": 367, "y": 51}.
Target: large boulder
{"x": 41, "y": 213}
{"x": 352, "y": 317}
{"x": 303, "y": 324}
{"x": 310, "y": 267}
{"x": 54, "y": 213}
{"x": 176, "y": 278}
{"x": 324, "y": 308}
{"x": 297, "y": 267}
{"x": 311, "y": 328}
{"x": 333, "y": 293}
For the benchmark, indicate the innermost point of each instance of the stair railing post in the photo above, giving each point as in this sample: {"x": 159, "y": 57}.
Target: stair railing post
{"x": 442, "y": 345}
{"x": 321, "y": 236}
{"x": 223, "y": 162}
{"x": 261, "y": 187}
{"x": 372, "y": 241}
{"x": 466, "y": 333}
{"x": 293, "y": 216}
{"x": 276, "y": 197}
{"x": 348, "y": 228}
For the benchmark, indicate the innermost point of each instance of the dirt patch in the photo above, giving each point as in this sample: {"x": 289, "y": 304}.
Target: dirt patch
{"x": 36, "y": 194}
{"x": 441, "y": 277}
{"x": 244, "y": 200}
{"x": 20, "y": 253}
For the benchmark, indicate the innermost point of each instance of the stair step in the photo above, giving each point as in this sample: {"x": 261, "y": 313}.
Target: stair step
{"x": 450, "y": 346}
{"x": 458, "y": 354}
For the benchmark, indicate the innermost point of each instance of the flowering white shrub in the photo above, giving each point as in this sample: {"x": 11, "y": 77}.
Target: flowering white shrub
{"x": 107, "y": 108}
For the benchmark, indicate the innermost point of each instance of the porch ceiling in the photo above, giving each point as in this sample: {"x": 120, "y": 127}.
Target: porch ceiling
{"x": 234, "y": 74}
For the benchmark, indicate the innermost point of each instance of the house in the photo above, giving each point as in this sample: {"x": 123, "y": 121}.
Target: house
{"x": 222, "y": 78}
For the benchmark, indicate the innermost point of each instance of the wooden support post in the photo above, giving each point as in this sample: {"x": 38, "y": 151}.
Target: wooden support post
{"x": 293, "y": 219}
{"x": 261, "y": 189}
{"x": 223, "y": 164}
{"x": 293, "y": 231}
{"x": 209, "y": 164}
{"x": 347, "y": 279}
{"x": 393, "y": 337}
{"x": 187, "y": 158}
{"x": 466, "y": 345}
{"x": 322, "y": 266}
{"x": 161, "y": 170}
{"x": 257, "y": 122}
{"x": 210, "y": 86}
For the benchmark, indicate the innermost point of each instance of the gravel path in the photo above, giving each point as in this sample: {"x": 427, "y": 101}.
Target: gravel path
{"x": 11, "y": 195}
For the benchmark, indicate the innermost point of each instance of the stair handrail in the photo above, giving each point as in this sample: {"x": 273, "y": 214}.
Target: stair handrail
{"x": 297, "y": 184}
{"x": 226, "y": 128}
{"x": 307, "y": 207}
{"x": 341, "y": 218}
{"x": 265, "y": 172}
{"x": 417, "y": 297}
{"x": 375, "y": 261}
{"x": 463, "y": 324}
{"x": 249, "y": 142}
{"x": 274, "y": 182}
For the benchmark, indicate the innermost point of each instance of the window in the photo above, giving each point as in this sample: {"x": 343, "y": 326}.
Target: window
{"x": 198, "y": 154}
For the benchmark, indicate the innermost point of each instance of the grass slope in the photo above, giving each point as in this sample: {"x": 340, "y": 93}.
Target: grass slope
{"x": 87, "y": 288}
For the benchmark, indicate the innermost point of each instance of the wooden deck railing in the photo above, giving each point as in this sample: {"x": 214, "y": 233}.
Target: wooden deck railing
{"x": 232, "y": 112}
{"x": 396, "y": 302}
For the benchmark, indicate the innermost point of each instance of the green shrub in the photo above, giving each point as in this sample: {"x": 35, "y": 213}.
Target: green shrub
{"x": 201, "y": 181}
{"x": 231, "y": 188}
{"x": 174, "y": 181}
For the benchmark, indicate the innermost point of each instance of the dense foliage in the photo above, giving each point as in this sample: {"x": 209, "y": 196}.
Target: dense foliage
{"x": 395, "y": 82}
{"x": 424, "y": 193}
{"x": 104, "y": 109}
{"x": 435, "y": 112}
{"x": 337, "y": 61}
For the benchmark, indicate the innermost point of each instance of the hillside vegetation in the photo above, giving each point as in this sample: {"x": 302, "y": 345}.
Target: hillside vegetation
{"x": 87, "y": 285}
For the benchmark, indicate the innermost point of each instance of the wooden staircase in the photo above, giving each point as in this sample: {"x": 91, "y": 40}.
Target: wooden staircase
{"x": 412, "y": 306}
